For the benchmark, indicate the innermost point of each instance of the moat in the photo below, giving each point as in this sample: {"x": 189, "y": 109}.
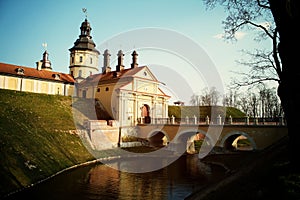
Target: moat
{"x": 98, "y": 181}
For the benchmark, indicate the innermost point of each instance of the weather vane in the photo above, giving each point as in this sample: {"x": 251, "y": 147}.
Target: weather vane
{"x": 45, "y": 46}
{"x": 84, "y": 10}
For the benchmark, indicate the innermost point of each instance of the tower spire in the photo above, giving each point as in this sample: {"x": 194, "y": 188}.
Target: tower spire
{"x": 84, "y": 10}
{"x": 45, "y": 63}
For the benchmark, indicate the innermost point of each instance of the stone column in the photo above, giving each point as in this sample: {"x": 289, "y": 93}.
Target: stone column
{"x": 219, "y": 120}
{"x": 172, "y": 119}
{"x": 230, "y": 120}
{"x": 195, "y": 119}
{"x": 247, "y": 120}
{"x": 207, "y": 120}
{"x": 187, "y": 120}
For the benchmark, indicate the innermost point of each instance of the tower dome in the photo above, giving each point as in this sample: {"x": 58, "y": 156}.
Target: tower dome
{"x": 85, "y": 28}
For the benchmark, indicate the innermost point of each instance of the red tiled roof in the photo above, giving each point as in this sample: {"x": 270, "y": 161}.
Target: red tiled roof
{"x": 111, "y": 76}
{"x": 34, "y": 73}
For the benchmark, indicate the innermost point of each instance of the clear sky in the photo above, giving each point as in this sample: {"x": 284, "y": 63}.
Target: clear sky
{"x": 26, "y": 25}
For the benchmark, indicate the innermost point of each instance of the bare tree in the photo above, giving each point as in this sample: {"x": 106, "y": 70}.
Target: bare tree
{"x": 244, "y": 103}
{"x": 253, "y": 105}
{"x": 205, "y": 97}
{"x": 209, "y": 97}
{"x": 214, "y": 96}
{"x": 230, "y": 99}
{"x": 195, "y": 100}
{"x": 284, "y": 17}
{"x": 261, "y": 68}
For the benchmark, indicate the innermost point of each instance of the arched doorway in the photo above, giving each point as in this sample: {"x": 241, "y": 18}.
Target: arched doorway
{"x": 146, "y": 114}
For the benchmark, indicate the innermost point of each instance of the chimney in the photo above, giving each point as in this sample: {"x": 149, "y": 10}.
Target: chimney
{"x": 39, "y": 65}
{"x": 134, "y": 60}
{"x": 106, "y": 62}
{"x": 120, "y": 65}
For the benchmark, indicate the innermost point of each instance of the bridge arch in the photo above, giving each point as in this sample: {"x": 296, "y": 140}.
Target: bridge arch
{"x": 232, "y": 137}
{"x": 158, "y": 137}
{"x": 188, "y": 137}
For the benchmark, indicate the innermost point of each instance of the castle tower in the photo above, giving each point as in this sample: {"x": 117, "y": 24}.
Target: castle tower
{"x": 45, "y": 63}
{"x": 84, "y": 56}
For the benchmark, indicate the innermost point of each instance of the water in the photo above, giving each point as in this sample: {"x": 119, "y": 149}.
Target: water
{"x": 98, "y": 181}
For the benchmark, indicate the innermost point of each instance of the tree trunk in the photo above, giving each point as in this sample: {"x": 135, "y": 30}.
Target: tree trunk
{"x": 286, "y": 16}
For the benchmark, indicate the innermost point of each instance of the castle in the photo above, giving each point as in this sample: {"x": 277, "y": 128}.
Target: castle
{"x": 129, "y": 95}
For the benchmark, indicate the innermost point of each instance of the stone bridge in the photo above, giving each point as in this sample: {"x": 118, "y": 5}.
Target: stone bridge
{"x": 180, "y": 137}
{"x": 224, "y": 136}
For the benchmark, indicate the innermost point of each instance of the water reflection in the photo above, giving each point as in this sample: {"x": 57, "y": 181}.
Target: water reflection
{"x": 99, "y": 181}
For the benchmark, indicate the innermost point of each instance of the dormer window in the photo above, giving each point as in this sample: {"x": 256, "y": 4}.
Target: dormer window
{"x": 20, "y": 71}
{"x": 115, "y": 74}
{"x": 56, "y": 76}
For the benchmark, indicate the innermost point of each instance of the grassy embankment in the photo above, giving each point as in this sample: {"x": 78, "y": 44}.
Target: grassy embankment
{"x": 35, "y": 136}
{"x": 190, "y": 111}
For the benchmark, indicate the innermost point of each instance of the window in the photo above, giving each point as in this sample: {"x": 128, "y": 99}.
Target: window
{"x": 106, "y": 89}
{"x": 80, "y": 73}
{"x": 91, "y": 60}
{"x": 20, "y": 71}
{"x": 56, "y": 76}
{"x": 72, "y": 60}
{"x": 72, "y": 73}
{"x": 98, "y": 89}
{"x": 80, "y": 59}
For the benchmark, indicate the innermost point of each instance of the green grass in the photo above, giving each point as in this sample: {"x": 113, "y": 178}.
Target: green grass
{"x": 140, "y": 149}
{"x": 197, "y": 144}
{"x": 34, "y": 138}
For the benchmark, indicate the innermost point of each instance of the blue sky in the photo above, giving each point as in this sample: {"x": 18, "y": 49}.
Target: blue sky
{"x": 26, "y": 25}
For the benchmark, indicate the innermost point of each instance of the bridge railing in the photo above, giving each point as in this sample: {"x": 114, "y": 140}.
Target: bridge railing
{"x": 217, "y": 120}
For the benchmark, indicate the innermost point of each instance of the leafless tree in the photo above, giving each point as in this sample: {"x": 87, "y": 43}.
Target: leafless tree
{"x": 253, "y": 105}
{"x": 208, "y": 97}
{"x": 195, "y": 100}
{"x": 230, "y": 99}
{"x": 244, "y": 103}
{"x": 283, "y": 17}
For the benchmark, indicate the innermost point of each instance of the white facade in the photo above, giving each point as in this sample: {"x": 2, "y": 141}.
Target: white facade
{"x": 132, "y": 97}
